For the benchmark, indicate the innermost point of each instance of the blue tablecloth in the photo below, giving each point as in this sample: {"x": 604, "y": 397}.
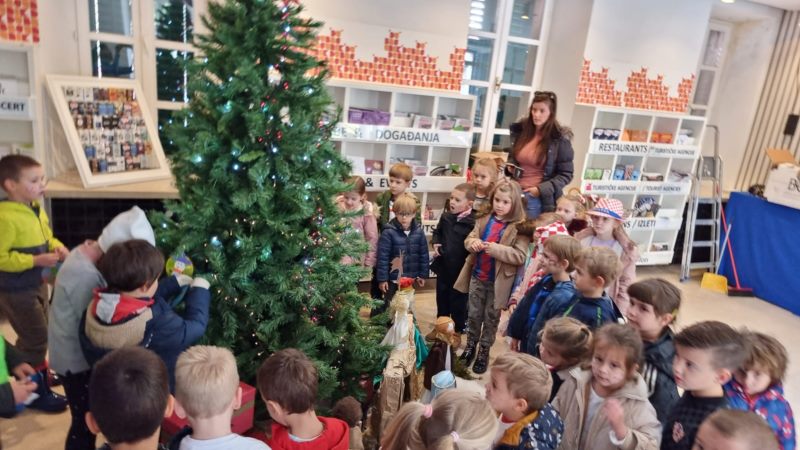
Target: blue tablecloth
{"x": 766, "y": 246}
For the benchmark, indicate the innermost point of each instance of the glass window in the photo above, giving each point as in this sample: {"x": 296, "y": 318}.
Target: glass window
{"x": 513, "y": 106}
{"x": 501, "y": 142}
{"x": 480, "y": 101}
{"x": 478, "y": 58}
{"x": 110, "y": 59}
{"x": 714, "y": 48}
{"x": 705, "y": 82}
{"x": 482, "y": 15}
{"x": 527, "y": 17}
{"x": 519, "y": 64}
{"x": 110, "y": 16}
{"x": 476, "y": 142}
{"x": 171, "y": 74}
{"x": 165, "y": 117}
{"x": 174, "y": 20}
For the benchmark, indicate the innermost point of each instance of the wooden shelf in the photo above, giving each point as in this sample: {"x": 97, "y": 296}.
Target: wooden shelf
{"x": 69, "y": 185}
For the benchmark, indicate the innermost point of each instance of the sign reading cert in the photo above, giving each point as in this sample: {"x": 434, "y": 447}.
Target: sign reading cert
{"x": 15, "y": 107}
{"x": 401, "y": 135}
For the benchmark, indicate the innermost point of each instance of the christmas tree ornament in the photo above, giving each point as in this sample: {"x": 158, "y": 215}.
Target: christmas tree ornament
{"x": 179, "y": 264}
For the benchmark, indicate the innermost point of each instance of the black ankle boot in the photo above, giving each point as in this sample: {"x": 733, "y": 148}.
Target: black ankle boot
{"x": 482, "y": 361}
{"x": 469, "y": 353}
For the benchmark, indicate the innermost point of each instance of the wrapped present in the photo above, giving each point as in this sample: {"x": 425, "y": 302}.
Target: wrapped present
{"x": 241, "y": 422}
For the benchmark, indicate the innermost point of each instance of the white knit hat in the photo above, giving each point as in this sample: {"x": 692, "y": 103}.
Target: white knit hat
{"x": 131, "y": 224}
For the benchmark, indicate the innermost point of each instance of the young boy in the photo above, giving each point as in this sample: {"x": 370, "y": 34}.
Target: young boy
{"x": 15, "y": 387}
{"x": 207, "y": 392}
{"x": 450, "y": 254}
{"x": 552, "y": 293}
{"x": 729, "y": 429}
{"x": 404, "y": 241}
{"x": 758, "y": 385}
{"x": 518, "y": 389}
{"x": 27, "y": 247}
{"x": 287, "y": 381}
{"x": 76, "y": 280}
{"x": 129, "y": 398}
{"x": 132, "y": 309}
{"x": 706, "y": 354}
{"x": 654, "y": 303}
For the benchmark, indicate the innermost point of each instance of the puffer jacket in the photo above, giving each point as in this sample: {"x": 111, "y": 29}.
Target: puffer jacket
{"x": 644, "y": 429}
{"x": 451, "y": 234}
{"x": 24, "y": 232}
{"x": 771, "y": 405}
{"x": 522, "y": 322}
{"x": 382, "y": 213}
{"x": 543, "y": 432}
{"x": 414, "y": 248}
{"x": 618, "y": 291}
{"x": 657, "y": 374}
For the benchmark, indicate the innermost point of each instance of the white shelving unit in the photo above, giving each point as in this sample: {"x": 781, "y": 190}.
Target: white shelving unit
{"x": 373, "y": 148}
{"x": 640, "y": 156}
{"x": 20, "y": 130}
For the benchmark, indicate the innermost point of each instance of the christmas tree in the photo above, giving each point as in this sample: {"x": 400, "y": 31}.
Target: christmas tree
{"x": 258, "y": 178}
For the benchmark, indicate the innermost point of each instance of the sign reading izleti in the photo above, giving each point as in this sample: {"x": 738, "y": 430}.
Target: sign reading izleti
{"x": 15, "y": 107}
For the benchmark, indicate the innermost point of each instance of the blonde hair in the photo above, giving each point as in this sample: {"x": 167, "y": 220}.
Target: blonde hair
{"x": 206, "y": 380}
{"x": 578, "y": 201}
{"x": 467, "y": 414}
{"x": 600, "y": 262}
{"x": 491, "y": 165}
{"x": 513, "y": 190}
{"x": 405, "y": 203}
{"x": 745, "y": 427}
{"x": 571, "y": 337}
{"x": 402, "y": 171}
{"x": 527, "y": 378}
{"x": 765, "y": 351}
{"x": 564, "y": 247}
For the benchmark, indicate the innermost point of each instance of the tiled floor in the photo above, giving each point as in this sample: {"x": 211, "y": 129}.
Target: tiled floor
{"x": 35, "y": 431}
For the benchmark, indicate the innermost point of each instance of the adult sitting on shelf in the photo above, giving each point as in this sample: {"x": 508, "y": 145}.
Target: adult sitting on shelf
{"x": 542, "y": 148}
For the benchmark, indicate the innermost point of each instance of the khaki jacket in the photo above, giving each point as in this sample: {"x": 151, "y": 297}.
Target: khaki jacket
{"x": 644, "y": 429}
{"x": 509, "y": 255}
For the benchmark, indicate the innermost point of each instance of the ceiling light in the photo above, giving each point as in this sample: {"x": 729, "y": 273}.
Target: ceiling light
{"x": 525, "y": 17}
{"x": 727, "y": 1}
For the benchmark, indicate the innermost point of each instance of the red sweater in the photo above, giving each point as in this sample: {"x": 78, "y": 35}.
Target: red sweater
{"x": 335, "y": 436}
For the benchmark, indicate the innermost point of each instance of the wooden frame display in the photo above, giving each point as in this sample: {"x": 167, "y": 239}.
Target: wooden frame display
{"x": 110, "y": 132}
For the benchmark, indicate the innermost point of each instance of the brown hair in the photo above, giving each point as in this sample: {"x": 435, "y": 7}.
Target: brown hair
{"x": 551, "y": 129}
{"x": 663, "y": 296}
{"x": 206, "y": 380}
{"x": 11, "y": 167}
{"x": 468, "y": 189}
{"x": 513, "y": 190}
{"x": 724, "y": 343}
{"x": 564, "y": 247}
{"x": 745, "y": 427}
{"x": 349, "y": 410}
{"x": 129, "y": 265}
{"x": 578, "y": 201}
{"x": 466, "y": 413}
{"x": 405, "y": 203}
{"x": 765, "y": 351}
{"x": 624, "y": 337}
{"x": 528, "y": 226}
{"x": 527, "y": 378}
{"x": 600, "y": 262}
{"x": 402, "y": 171}
{"x": 289, "y": 378}
{"x": 358, "y": 184}
{"x": 572, "y": 337}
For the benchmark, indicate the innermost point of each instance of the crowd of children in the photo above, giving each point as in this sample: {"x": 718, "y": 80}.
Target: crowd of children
{"x": 594, "y": 362}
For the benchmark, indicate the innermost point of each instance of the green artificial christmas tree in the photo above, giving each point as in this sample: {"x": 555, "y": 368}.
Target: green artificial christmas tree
{"x": 258, "y": 178}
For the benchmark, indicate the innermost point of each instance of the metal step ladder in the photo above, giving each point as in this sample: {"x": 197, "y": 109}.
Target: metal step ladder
{"x": 703, "y": 215}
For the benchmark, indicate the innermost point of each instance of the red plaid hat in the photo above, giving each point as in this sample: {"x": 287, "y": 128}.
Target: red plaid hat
{"x": 551, "y": 230}
{"x": 608, "y": 207}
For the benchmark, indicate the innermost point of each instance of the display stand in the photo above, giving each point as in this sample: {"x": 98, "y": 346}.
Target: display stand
{"x": 20, "y": 131}
{"x": 645, "y": 159}
{"x": 430, "y": 130}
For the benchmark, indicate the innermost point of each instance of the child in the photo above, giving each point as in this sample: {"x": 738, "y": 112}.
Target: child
{"x": 545, "y": 226}
{"x": 287, "y": 381}
{"x": 450, "y": 254}
{"x": 518, "y": 389}
{"x": 129, "y": 398}
{"x": 456, "y": 419}
{"x": 757, "y": 386}
{"x": 496, "y": 250}
{"x": 654, "y": 305}
{"x": 606, "y": 407}
{"x": 76, "y": 280}
{"x": 207, "y": 392}
{"x": 572, "y": 208}
{"x": 348, "y": 409}
{"x": 27, "y": 247}
{"x": 403, "y": 238}
{"x": 363, "y": 219}
{"x": 564, "y": 344}
{"x": 606, "y": 231}
{"x": 14, "y": 390}
{"x": 558, "y": 259}
{"x": 484, "y": 177}
{"x": 706, "y": 354}
{"x": 132, "y": 309}
{"x": 729, "y": 429}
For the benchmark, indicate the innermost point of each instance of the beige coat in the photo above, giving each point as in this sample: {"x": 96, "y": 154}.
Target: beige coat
{"x": 509, "y": 255}
{"x": 644, "y": 429}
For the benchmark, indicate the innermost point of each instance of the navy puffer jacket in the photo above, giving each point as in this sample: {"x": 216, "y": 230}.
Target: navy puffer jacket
{"x": 414, "y": 248}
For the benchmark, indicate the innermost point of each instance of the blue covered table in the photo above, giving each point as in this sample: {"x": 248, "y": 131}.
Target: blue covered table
{"x": 766, "y": 246}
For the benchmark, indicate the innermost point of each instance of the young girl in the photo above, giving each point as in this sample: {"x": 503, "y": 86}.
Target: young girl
{"x": 606, "y": 407}
{"x": 496, "y": 250}
{"x": 457, "y": 419}
{"x": 484, "y": 177}
{"x": 353, "y": 202}
{"x": 572, "y": 208}
{"x": 564, "y": 344}
{"x": 606, "y": 231}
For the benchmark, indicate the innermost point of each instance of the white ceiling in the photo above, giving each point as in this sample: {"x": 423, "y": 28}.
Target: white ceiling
{"x": 791, "y": 5}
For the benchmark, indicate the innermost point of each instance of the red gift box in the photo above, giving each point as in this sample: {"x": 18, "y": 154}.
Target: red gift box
{"x": 241, "y": 422}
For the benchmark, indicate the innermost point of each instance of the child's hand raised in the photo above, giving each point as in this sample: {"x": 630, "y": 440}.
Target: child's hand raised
{"x": 616, "y": 417}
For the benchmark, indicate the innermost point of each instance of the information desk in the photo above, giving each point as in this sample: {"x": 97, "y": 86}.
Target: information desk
{"x": 766, "y": 246}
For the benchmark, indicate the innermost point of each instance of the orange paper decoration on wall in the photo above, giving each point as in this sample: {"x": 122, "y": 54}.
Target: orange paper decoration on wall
{"x": 19, "y": 21}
